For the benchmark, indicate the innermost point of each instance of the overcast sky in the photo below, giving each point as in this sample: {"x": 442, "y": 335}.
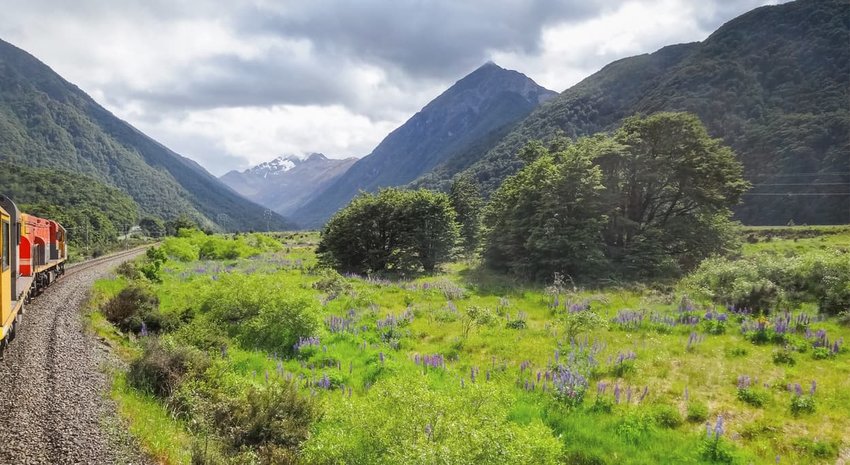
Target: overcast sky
{"x": 234, "y": 83}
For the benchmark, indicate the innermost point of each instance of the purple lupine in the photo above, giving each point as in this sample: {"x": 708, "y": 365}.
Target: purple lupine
{"x": 644, "y": 393}
{"x": 381, "y": 356}
{"x": 718, "y": 428}
{"x": 617, "y": 393}
{"x": 813, "y": 388}
{"x": 144, "y": 331}
{"x": 472, "y": 375}
{"x": 629, "y": 395}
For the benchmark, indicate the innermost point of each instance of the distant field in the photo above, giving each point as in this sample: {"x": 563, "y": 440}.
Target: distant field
{"x": 403, "y": 376}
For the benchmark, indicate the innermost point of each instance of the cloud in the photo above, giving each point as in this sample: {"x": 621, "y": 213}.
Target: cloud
{"x": 236, "y": 83}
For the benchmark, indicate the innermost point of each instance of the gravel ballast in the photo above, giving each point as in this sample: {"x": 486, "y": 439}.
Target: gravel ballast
{"x": 54, "y": 401}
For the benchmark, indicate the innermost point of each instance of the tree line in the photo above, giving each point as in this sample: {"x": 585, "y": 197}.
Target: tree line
{"x": 652, "y": 199}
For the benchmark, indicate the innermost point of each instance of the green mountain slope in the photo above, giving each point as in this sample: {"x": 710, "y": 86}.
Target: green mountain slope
{"x": 48, "y": 122}
{"x": 774, "y": 83}
{"x": 441, "y": 135}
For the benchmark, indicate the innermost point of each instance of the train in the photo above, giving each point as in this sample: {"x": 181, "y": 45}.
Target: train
{"x": 34, "y": 252}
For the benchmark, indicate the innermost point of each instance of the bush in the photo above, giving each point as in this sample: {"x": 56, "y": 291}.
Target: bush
{"x": 753, "y": 396}
{"x": 134, "y": 308}
{"x": 783, "y": 357}
{"x": 161, "y": 367}
{"x": 697, "y": 412}
{"x": 802, "y": 404}
{"x": 332, "y": 283}
{"x": 667, "y": 416}
{"x": 272, "y": 419}
{"x": 128, "y": 270}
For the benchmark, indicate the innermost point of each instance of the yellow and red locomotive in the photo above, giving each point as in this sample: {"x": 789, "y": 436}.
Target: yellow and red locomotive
{"x": 34, "y": 251}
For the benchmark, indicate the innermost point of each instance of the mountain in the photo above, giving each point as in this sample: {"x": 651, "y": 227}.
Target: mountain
{"x": 774, "y": 84}
{"x": 447, "y": 134}
{"x": 47, "y": 122}
{"x": 287, "y": 182}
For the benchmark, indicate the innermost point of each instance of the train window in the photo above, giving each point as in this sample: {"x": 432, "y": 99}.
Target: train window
{"x": 5, "y": 245}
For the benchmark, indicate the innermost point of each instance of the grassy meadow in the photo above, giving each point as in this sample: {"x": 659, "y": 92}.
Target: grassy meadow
{"x": 465, "y": 366}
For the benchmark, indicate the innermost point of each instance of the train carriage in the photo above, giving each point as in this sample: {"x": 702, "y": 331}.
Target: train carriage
{"x": 33, "y": 255}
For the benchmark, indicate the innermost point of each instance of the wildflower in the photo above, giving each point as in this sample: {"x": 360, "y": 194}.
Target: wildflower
{"x": 814, "y": 387}
{"x": 144, "y": 331}
{"x": 718, "y": 428}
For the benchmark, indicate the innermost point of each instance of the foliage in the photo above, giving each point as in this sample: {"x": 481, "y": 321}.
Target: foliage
{"x": 134, "y": 308}
{"x": 764, "y": 281}
{"x": 652, "y": 200}
{"x": 697, "y": 412}
{"x": 802, "y": 404}
{"x": 752, "y": 395}
{"x": 260, "y": 312}
{"x": 667, "y": 416}
{"x": 163, "y": 366}
{"x": 92, "y": 212}
{"x": 404, "y": 421}
{"x": 474, "y": 316}
{"x": 392, "y": 231}
{"x": 576, "y": 323}
{"x": 468, "y": 204}
{"x": 548, "y": 218}
{"x": 152, "y": 226}
{"x": 273, "y": 419}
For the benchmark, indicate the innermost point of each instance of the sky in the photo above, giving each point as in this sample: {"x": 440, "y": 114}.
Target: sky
{"x": 231, "y": 84}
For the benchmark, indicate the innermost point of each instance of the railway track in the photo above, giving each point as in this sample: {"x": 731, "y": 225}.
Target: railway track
{"x": 54, "y": 407}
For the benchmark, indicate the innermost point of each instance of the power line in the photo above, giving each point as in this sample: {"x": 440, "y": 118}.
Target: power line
{"x": 795, "y": 194}
{"x": 846, "y": 173}
{"x": 804, "y": 184}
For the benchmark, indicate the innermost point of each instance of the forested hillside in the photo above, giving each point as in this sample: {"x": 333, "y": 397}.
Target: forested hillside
{"x": 93, "y": 213}
{"x": 774, "y": 84}
{"x": 48, "y": 122}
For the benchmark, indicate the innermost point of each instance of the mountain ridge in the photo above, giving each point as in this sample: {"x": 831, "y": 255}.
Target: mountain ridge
{"x": 477, "y": 105}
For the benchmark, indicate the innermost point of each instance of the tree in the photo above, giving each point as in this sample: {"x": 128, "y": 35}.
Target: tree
{"x": 668, "y": 193}
{"x": 653, "y": 199}
{"x": 547, "y": 219}
{"x": 394, "y": 230}
{"x": 467, "y": 202}
{"x": 153, "y": 227}
{"x": 172, "y": 227}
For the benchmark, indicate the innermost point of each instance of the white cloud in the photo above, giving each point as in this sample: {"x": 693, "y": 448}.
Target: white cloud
{"x": 259, "y": 134}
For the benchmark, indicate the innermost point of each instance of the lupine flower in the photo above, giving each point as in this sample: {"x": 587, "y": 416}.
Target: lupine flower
{"x": 617, "y": 393}
{"x": 718, "y": 428}
{"x": 144, "y": 331}
{"x": 814, "y": 387}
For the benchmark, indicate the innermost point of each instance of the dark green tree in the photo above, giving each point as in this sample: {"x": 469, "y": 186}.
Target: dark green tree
{"x": 653, "y": 199}
{"x": 172, "y": 227}
{"x": 668, "y": 193}
{"x": 548, "y": 218}
{"x": 467, "y": 202}
{"x": 153, "y": 227}
{"x": 394, "y": 230}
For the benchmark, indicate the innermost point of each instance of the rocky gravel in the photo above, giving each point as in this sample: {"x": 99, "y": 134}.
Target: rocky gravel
{"x": 54, "y": 402}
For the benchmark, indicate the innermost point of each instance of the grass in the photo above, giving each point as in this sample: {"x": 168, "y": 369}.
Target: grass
{"x": 674, "y": 374}
{"x": 162, "y": 437}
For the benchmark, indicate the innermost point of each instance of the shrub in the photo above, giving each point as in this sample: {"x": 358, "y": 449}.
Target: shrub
{"x": 161, "y": 367}
{"x": 802, "y": 404}
{"x": 332, "y": 283}
{"x": 134, "y": 308}
{"x": 273, "y": 419}
{"x": 783, "y": 357}
{"x": 634, "y": 427}
{"x": 697, "y": 412}
{"x": 753, "y": 396}
{"x": 667, "y": 416}
{"x": 128, "y": 270}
